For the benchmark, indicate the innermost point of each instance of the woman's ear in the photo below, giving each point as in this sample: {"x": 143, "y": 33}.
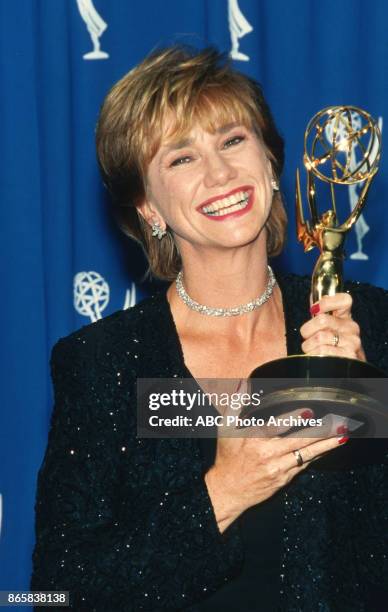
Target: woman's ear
{"x": 274, "y": 180}
{"x": 270, "y": 168}
{"x": 149, "y": 213}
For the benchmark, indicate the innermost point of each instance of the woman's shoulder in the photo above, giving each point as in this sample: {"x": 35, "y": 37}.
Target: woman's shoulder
{"x": 367, "y": 292}
{"x": 121, "y": 331}
{"x": 370, "y": 311}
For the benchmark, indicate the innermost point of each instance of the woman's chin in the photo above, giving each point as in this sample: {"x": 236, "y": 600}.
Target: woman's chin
{"x": 236, "y": 237}
{"x": 236, "y": 241}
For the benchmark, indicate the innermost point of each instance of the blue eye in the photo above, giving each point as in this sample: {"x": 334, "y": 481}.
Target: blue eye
{"x": 233, "y": 141}
{"x": 180, "y": 161}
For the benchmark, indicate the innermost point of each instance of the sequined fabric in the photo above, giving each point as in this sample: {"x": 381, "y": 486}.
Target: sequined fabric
{"x": 126, "y": 524}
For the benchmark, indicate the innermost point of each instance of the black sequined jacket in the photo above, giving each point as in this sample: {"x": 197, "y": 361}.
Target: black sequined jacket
{"x": 126, "y": 524}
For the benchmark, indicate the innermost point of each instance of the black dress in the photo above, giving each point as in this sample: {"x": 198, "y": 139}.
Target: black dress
{"x": 257, "y": 586}
{"x": 126, "y": 524}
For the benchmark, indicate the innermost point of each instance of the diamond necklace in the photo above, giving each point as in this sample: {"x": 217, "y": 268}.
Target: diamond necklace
{"x": 226, "y": 312}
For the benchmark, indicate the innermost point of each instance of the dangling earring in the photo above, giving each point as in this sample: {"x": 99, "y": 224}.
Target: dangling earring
{"x": 275, "y": 185}
{"x": 157, "y": 230}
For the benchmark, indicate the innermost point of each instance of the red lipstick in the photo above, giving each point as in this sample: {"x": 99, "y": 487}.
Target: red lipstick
{"x": 247, "y": 189}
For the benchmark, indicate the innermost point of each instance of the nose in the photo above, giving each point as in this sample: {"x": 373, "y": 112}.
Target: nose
{"x": 219, "y": 171}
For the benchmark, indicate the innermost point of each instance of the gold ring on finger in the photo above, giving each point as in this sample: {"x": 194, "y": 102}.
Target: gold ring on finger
{"x": 335, "y": 339}
{"x": 298, "y": 457}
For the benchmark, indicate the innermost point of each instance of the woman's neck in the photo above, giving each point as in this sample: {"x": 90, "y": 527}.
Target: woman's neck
{"x": 225, "y": 280}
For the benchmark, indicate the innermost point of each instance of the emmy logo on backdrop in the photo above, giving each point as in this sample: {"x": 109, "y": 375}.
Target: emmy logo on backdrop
{"x": 91, "y": 294}
{"x": 239, "y": 26}
{"x": 96, "y": 27}
{"x": 130, "y": 297}
{"x": 361, "y": 227}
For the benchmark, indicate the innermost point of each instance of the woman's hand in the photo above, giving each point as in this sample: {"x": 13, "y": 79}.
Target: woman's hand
{"x": 332, "y": 331}
{"x": 247, "y": 471}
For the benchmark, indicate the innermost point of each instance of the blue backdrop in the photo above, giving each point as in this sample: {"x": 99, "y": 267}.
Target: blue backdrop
{"x": 58, "y": 59}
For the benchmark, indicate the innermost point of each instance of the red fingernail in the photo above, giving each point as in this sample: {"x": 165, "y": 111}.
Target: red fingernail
{"x": 343, "y": 440}
{"x": 307, "y": 414}
{"x": 314, "y": 309}
{"x": 342, "y": 429}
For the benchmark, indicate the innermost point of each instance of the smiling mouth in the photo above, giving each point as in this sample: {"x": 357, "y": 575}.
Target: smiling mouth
{"x": 234, "y": 203}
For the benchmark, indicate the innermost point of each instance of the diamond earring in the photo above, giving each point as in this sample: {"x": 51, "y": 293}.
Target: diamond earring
{"x": 157, "y": 230}
{"x": 275, "y": 185}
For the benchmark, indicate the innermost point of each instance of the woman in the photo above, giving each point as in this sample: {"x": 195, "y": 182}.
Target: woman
{"x": 192, "y": 158}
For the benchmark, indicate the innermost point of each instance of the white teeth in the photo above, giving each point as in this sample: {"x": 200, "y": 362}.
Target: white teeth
{"x": 229, "y": 209}
{"x": 240, "y": 196}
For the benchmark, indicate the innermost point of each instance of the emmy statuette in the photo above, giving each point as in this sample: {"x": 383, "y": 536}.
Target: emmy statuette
{"x": 330, "y": 141}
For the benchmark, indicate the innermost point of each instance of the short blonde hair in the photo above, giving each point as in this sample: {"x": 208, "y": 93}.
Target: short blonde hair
{"x": 194, "y": 87}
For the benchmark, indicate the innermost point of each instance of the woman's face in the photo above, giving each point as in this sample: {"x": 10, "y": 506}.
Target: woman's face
{"x": 212, "y": 190}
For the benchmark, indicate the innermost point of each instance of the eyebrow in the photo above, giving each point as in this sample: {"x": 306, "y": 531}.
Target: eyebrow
{"x": 186, "y": 142}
